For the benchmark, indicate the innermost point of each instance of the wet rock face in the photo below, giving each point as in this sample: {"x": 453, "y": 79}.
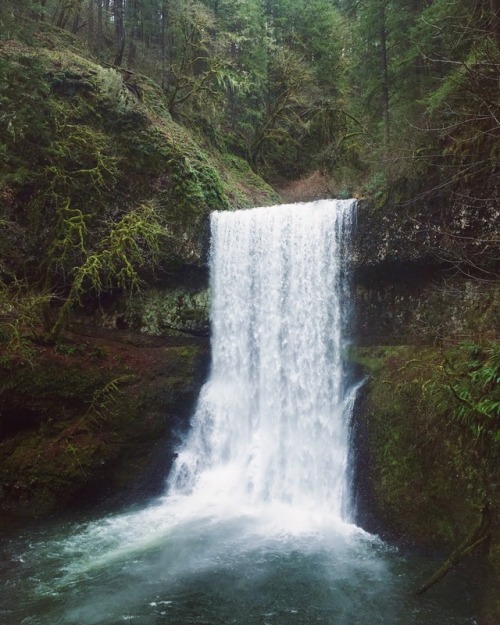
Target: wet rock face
{"x": 422, "y": 305}
{"x": 437, "y": 233}
{"x": 422, "y": 274}
{"x": 95, "y": 418}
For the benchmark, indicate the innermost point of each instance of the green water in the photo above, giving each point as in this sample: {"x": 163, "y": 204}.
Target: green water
{"x": 256, "y": 527}
{"x": 152, "y": 567}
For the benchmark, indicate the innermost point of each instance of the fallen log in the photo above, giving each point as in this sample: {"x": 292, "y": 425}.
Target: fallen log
{"x": 476, "y": 537}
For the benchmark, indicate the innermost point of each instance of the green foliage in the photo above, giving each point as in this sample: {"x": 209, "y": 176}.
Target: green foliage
{"x": 433, "y": 420}
{"x": 470, "y": 384}
{"x": 113, "y": 91}
{"x": 198, "y": 66}
{"x": 25, "y": 123}
{"x": 289, "y": 104}
{"x": 70, "y": 349}
{"x": 423, "y": 88}
{"x": 103, "y": 403}
{"x": 122, "y": 250}
{"x": 406, "y": 88}
{"x": 21, "y": 314}
{"x": 128, "y": 245}
{"x": 376, "y": 188}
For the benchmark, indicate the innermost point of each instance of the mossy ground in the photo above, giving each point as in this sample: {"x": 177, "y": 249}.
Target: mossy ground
{"x": 86, "y": 415}
{"x": 429, "y": 471}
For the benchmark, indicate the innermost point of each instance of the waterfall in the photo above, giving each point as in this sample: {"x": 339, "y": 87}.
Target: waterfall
{"x": 255, "y": 525}
{"x": 271, "y": 425}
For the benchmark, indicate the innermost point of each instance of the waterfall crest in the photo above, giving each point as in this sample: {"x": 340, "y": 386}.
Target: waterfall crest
{"x": 271, "y": 425}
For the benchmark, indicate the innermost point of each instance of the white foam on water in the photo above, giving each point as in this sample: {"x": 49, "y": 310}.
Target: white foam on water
{"x": 269, "y": 438}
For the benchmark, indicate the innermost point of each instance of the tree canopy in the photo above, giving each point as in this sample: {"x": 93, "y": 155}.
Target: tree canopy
{"x": 369, "y": 91}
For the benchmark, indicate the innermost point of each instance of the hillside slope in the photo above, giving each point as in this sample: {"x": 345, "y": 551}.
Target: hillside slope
{"x": 104, "y": 205}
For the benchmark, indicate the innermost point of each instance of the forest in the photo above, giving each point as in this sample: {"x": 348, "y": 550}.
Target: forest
{"x": 125, "y": 123}
{"x": 386, "y": 97}
{"x": 397, "y": 101}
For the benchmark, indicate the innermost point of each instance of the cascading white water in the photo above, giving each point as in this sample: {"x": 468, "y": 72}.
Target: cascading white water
{"x": 254, "y": 527}
{"x": 271, "y": 424}
{"x": 268, "y": 445}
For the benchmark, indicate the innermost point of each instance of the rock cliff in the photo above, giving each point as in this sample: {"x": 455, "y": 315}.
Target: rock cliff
{"x": 426, "y": 273}
{"x": 427, "y": 425}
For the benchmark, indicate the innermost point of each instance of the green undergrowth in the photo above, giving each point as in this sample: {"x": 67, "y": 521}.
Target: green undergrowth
{"x": 85, "y": 413}
{"x": 432, "y": 424}
{"x": 84, "y": 149}
{"x": 62, "y": 419}
{"x": 434, "y": 419}
{"x": 242, "y": 186}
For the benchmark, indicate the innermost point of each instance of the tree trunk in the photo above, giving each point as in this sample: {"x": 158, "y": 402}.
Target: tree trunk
{"x": 75, "y": 24}
{"x": 99, "y": 37}
{"x": 132, "y": 32}
{"x": 472, "y": 541}
{"x": 61, "y": 17}
{"x": 385, "y": 73}
{"x": 163, "y": 51}
{"x": 41, "y": 14}
{"x": 132, "y": 51}
{"x": 90, "y": 25}
{"x": 495, "y": 19}
{"x": 119, "y": 16}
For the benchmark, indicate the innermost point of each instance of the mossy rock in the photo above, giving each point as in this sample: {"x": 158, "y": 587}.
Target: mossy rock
{"x": 93, "y": 140}
{"x": 85, "y": 423}
{"x": 427, "y": 473}
{"x": 423, "y": 474}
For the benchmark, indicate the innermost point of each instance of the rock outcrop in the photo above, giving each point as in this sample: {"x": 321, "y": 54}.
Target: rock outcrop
{"x": 426, "y": 274}
{"x": 427, "y": 429}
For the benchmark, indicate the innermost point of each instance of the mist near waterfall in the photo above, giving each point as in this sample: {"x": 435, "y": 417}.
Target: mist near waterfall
{"x": 256, "y": 524}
